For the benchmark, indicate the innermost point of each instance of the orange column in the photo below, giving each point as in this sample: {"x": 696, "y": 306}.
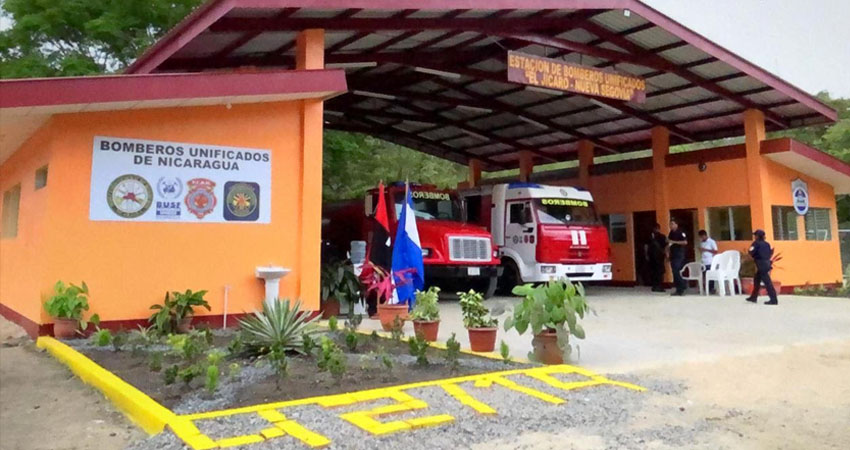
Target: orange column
{"x": 474, "y": 177}
{"x": 310, "y": 54}
{"x": 660, "y": 150}
{"x": 585, "y": 160}
{"x": 526, "y": 165}
{"x": 754, "y": 134}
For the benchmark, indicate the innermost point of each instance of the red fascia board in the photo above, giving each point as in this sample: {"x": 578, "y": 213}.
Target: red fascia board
{"x": 704, "y": 44}
{"x": 790, "y": 145}
{"x": 123, "y": 88}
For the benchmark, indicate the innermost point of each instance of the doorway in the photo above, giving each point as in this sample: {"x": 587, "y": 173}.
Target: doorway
{"x": 687, "y": 219}
{"x": 643, "y": 221}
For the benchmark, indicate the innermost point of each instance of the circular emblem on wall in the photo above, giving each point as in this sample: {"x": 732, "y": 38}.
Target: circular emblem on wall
{"x": 800, "y": 196}
{"x": 200, "y": 200}
{"x": 241, "y": 199}
{"x": 169, "y": 188}
{"x": 129, "y": 196}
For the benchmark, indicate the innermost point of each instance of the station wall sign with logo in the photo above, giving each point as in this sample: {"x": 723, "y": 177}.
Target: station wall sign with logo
{"x": 158, "y": 181}
{"x": 800, "y": 196}
{"x": 560, "y": 75}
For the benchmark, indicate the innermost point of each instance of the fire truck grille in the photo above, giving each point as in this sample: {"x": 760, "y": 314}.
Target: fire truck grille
{"x": 469, "y": 249}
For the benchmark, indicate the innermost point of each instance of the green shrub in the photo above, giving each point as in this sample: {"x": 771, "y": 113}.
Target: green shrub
{"x": 505, "y": 351}
{"x": 155, "y": 362}
{"x": 233, "y": 370}
{"x": 333, "y": 323}
{"x": 331, "y": 359}
{"x": 475, "y": 314}
{"x": 338, "y": 281}
{"x": 351, "y": 340}
{"x": 189, "y": 373}
{"x": 101, "y": 337}
{"x": 278, "y": 324}
{"x": 427, "y": 308}
{"x": 70, "y": 302}
{"x": 279, "y": 363}
{"x": 118, "y": 341}
{"x": 397, "y": 330}
{"x": 170, "y": 374}
{"x": 211, "y": 383}
{"x": 187, "y": 346}
{"x": 452, "y": 353}
{"x": 140, "y": 339}
{"x": 236, "y": 345}
{"x": 307, "y": 344}
{"x": 419, "y": 348}
{"x": 176, "y": 307}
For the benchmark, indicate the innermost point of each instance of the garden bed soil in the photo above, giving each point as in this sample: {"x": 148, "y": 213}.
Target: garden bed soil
{"x": 256, "y": 383}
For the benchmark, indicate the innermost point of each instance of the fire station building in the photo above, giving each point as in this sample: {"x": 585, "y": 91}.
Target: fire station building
{"x": 203, "y": 160}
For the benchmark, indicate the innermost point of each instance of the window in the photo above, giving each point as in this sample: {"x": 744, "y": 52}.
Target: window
{"x": 616, "y": 225}
{"x": 817, "y": 225}
{"x": 730, "y": 223}
{"x": 11, "y": 202}
{"x": 40, "y": 178}
{"x": 784, "y": 223}
{"x": 516, "y": 213}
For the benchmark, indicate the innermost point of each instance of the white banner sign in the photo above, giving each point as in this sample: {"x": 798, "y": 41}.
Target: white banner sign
{"x": 157, "y": 181}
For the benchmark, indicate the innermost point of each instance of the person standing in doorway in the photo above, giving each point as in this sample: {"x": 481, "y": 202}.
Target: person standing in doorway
{"x": 677, "y": 242}
{"x": 707, "y": 248}
{"x": 762, "y": 254}
{"x": 655, "y": 254}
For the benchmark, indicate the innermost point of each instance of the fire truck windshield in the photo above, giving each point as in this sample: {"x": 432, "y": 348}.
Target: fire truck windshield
{"x": 430, "y": 205}
{"x": 564, "y": 211}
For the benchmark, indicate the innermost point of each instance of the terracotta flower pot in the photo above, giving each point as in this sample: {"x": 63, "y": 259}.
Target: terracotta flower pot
{"x": 330, "y": 308}
{"x": 184, "y": 325}
{"x": 747, "y": 286}
{"x": 65, "y": 328}
{"x": 428, "y": 328}
{"x": 546, "y": 348}
{"x": 482, "y": 339}
{"x": 388, "y": 313}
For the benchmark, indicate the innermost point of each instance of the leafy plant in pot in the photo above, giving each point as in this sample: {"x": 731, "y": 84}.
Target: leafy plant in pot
{"x": 380, "y": 283}
{"x": 339, "y": 284}
{"x": 175, "y": 313}
{"x": 66, "y": 307}
{"x": 426, "y": 313}
{"x": 552, "y": 311}
{"x": 476, "y": 318}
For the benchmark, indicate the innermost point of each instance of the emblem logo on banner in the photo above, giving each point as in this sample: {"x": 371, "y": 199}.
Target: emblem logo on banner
{"x": 169, "y": 190}
{"x": 242, "y": 201}
{"x": 200, "y": 200}
{"x": 129, "y": 196}
{"x": 800, "y": 196}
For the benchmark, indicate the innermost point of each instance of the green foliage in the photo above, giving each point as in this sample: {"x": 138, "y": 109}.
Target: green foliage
{"x": 331, "y": 359}
{"x": 386, "y": 360}
{"x": 63, "y": 38}
{"x": 211, "y": 383}
{"x": 822, "y": 291}
{"x": 419, "y": 348}
{"x": 333, "y": 323}
{"x": 176, "y": 307}
{"x": 307, "y": 344}
{"x": 397, "y": 329}
{"x": 339, "y": 281}
{"x": 101, "y": 337}
{"x": 189, "y": 373}
{"x": 475, "y": 314}
{"x": 427, "y": 308}
{"x": 155, "y": 362}
{"x": 374, "y": 336}
{"x": 354, "y": 322}
{"x": 351, "y": 340}
{"x": 236, "y": 345}
{"x": 118, "y": 341}
{"x": 557, "y": 305}
{"x": 233, "y": 370}
{"x": 279, "y": 363}
{"x": 69, "y": 302}
{"x": 141, "y": 338}
{"x": 278, "y": 324}
{"x": 188, "y": 346}
{"x": 452, "y": 353}
{"x": 170, "y": 374}
{"x": 505, "y": 351}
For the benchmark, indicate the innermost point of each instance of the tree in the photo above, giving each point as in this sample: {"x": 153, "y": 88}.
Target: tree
{"x": 80, "y": 37}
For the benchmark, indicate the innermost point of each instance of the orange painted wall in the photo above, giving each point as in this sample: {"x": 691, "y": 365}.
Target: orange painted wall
{"x": 129, "y": 266}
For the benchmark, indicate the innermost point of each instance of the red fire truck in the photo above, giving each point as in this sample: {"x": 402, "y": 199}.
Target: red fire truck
{"x": 542, "y": 232}
{"x": 457, "y": 255}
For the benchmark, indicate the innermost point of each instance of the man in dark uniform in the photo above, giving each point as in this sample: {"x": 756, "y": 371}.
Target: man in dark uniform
{"x": 678, "y": 240}
{"x": 655, "y": 254}
{"x": 762, "y": 253}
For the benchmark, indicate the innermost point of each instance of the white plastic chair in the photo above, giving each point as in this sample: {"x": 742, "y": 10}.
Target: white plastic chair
{"x": 720, "y": 273}
{"x": 735, "y": 269}
{"x": 694, "y": 270}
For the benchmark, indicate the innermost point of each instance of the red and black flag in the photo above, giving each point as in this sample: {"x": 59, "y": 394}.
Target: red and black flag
{"x": 380, "y": 251}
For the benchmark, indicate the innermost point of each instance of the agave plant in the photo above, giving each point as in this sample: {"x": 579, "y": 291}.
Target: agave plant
{"x": 278, "y": 325}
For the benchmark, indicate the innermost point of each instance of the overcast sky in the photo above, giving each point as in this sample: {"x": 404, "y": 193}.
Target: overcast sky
{"x": 804, "y": 42}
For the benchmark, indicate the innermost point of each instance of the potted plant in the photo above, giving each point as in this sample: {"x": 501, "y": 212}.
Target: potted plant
{"x": 379, "y": 282}
{"x": 338, "y": 284}
{"x": 477, "y": 320}
{"x": 552, "y": 310}
{"x": 748, "y": 271}
{"x": 426, "y": 313}
{"x": 177, "y": 310}
{"x": 66, "y": 307}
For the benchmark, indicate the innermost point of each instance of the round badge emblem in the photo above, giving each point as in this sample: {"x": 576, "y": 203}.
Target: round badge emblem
{"x": 169, "y": 188}
{"x": 241, "y": 200}
{"x": 129, "y": 196}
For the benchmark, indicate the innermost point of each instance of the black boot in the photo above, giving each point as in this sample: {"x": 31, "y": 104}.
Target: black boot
{"x": 772, "y": 302}
{"x": 751, "y": 299}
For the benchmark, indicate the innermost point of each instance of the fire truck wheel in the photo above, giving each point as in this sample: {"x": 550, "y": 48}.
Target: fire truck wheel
{"x": 486, "y": 286}
{"x": 509, "y": 278}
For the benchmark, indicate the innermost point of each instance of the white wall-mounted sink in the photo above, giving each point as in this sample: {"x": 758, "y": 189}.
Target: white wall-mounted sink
{"x": 272, "y": 276}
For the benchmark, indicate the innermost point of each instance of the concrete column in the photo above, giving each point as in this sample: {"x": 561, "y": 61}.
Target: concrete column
{"x": 474, "y": 177}
{"x": 754, "y": 134}
{"x": 585, "y": 160}
{"x": 660, "y": 150}
{"x": 526, "y": 165}
{"x": 310, "y": 54}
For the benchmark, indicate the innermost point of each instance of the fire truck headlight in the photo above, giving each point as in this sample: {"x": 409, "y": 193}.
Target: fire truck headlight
{"x": 495, "y": 253}
{"x": 426, "y": 252}
{"x": 606, "y": 268}
{"x": 547, "y": 269}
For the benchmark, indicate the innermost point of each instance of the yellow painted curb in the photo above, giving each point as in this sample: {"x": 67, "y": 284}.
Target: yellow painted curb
{"x": 138, "y": 407}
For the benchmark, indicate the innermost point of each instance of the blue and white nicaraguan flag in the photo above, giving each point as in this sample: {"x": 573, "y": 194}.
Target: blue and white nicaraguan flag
{"x": 407, "y": 254}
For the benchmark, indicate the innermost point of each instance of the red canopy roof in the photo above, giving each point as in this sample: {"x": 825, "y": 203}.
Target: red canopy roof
{"x": 431, "y": 74}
